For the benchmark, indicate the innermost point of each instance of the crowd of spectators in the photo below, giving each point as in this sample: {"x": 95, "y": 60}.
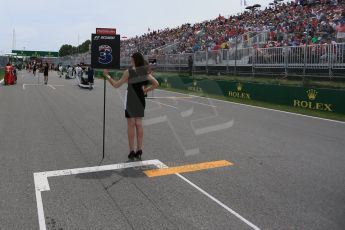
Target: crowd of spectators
{"x": 293, "y": 24}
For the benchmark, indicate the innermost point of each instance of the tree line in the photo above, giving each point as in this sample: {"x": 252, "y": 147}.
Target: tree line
{"x": 66, "y": 49}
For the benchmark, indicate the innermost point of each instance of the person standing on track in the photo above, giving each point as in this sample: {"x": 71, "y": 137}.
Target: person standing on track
{"x": 45, "y": 73}
{"x": 79, "y": 73}
{"x": 15, "y": 74}
{"x": 90, "y": 76}
{"x": 69, "y": 72}
{"x": 137, "y": 78}
{"x": 60, "y": 71}
{"x": 34, "y": 68}
{"x": 9, "y": 78}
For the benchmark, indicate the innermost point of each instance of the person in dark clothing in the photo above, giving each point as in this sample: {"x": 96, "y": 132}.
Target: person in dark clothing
{"x": 34, "y": 69}
{"x": 15, "y": 74}
{"x": 190, "y": 65}
{"x": 137, "y": 78}
{"x": 90, "y": 75}
{"x": 45, "y": 73}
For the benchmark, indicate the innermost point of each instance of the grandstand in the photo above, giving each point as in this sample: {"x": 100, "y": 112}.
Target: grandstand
{"x": 294, "y": 38}
{"x": 278, "y": 25}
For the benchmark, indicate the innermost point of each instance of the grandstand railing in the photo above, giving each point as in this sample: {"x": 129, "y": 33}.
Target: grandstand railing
{"x": 256, "y": 39}
{"x": 250, "y": 39}
{"x": 315, "y": 60}
{"x": 168, "y": 48}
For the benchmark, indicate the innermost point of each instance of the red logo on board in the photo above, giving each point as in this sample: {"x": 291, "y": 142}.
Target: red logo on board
{"x": 106, "y": 31}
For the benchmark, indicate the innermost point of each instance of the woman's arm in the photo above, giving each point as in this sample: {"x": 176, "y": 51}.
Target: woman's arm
{"x": 154, "y": 84}
{"x": 119, "y": 83}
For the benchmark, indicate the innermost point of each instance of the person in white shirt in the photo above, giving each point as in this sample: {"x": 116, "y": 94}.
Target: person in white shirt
{"x": 79, "y": 72}
{"x": 69, "y": 72}
{"x": 60, "y": 70}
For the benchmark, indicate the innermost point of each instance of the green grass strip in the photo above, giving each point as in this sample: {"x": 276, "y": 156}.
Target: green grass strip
{"x": 2, "y": 74}
{"x": 328, "y": 84}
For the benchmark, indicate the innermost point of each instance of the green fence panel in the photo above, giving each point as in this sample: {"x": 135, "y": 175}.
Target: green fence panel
{"x": 174, "y": 82}
{"x": 329, "y": 100}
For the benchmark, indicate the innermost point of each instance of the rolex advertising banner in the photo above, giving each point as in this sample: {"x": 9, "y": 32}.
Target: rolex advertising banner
{"x": 105, "y": 51}
{"x": 328, "y": 100}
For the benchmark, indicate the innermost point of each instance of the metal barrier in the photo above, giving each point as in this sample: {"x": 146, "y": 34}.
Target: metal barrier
{"x": 200, "y": 58}
{"x": 338, "y": 59}
{"x": 4, "y": 60}
{"x": 269, "y": 57}
{"x": 315, "y": 60}
{"x": 256, "y": 39}
{"x": 295, "y": 57}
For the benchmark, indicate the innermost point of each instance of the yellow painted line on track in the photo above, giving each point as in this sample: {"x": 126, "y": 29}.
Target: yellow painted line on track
{"x": 187, "y": 168}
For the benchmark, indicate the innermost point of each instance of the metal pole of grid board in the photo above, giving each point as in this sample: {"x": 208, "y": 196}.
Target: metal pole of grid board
{"x": 206, "y": 61}
{"x": 104, "y": 102}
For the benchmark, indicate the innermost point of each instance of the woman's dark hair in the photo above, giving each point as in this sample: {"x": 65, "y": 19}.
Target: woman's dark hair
{"x": 141, "y": 65}
{"x": 139, "y": 60}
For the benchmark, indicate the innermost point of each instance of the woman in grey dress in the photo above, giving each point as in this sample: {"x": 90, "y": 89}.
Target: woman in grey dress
{"x": 137, "y": 78}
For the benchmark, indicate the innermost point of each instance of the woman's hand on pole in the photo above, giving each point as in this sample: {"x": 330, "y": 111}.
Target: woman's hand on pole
{"x": 105, "y": 73}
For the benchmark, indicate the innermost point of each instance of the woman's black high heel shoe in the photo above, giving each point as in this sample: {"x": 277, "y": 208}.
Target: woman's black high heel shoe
{"x": 138, "y": 154}
{"x": 132, "y": 155}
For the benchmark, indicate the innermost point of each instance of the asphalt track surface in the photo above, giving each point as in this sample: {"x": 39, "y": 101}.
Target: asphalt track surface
{"x": 288, "y": 171}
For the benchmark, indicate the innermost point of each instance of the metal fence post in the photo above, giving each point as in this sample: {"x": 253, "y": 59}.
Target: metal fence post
{"x": 286, "y": 53}
{"x": 330, "y": 60}
{"x": 206, "y": 62}
{"x": 227, "y": 60}
{"x": 236, "y": 49}
{"x": 194, "y": 61}
{"x": 253, "y": 61}
{"x": 305, "y": 61}
{"x": 165, "y": 62}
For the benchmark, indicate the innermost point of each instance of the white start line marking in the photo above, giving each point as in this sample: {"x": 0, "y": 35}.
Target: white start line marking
{"x": 42, "y": 184}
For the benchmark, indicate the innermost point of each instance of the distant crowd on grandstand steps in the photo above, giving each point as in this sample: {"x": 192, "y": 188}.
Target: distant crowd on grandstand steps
{"x": 280, "y": 24}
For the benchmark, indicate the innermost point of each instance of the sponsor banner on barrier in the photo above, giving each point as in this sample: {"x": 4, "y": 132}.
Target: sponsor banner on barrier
{"x": 328, "y": 100}
{"x": 28, "y": 53}
{"x": 311, "y": 100}
{"x": 239, "y": 91}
